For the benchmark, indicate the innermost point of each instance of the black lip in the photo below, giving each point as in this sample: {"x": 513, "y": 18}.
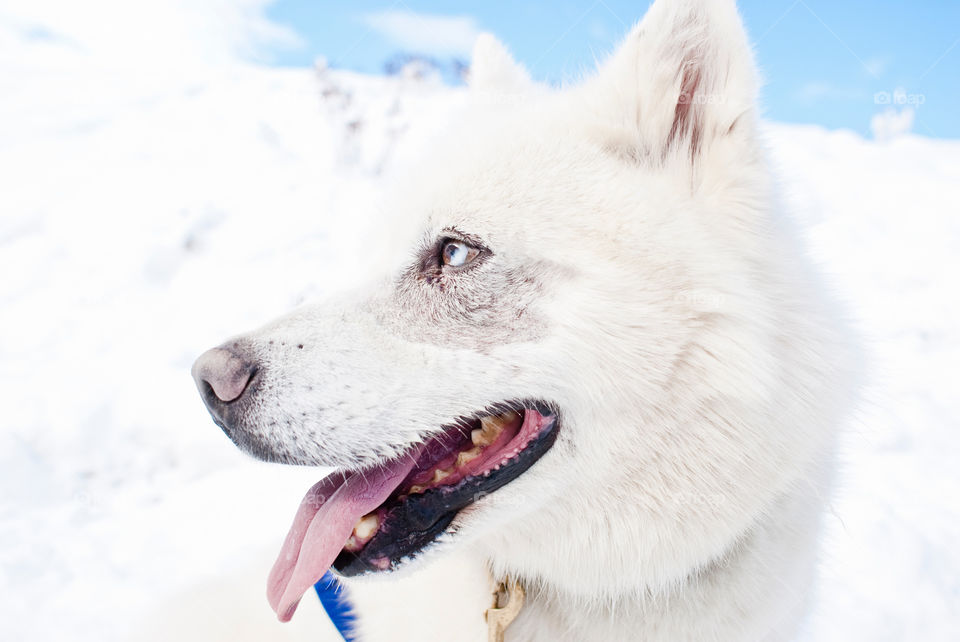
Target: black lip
{"x": 413, "y": 522}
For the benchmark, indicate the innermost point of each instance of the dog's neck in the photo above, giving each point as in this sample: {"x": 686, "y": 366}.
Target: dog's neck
{"x": 756, "y": 590}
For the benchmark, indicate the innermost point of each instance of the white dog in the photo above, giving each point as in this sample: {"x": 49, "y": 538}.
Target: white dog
{"x": 602, "y": 369}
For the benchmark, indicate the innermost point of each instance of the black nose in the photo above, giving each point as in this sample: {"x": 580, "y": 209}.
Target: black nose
{"x": 222, "y": 376}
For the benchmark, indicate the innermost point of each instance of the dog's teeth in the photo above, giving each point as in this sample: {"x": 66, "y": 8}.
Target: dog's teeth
{"x": 416, "y": 489}
{"x": 440, "y": 475}
{"x": 362, "y": 532}
{"x": 490, "y": 429}
{"x": 467, "y": 456}
{"x": 367, "y": 526}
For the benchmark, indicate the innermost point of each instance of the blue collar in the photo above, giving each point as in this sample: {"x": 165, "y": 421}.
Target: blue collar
{"x": 337, "y": 605}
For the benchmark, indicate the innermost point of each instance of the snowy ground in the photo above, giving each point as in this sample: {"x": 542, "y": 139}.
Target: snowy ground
{"x": 153, "y": 204}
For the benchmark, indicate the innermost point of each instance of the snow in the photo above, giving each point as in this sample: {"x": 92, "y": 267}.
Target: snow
{"x": 162, "y": 190}
{"x": 891, "y": 123}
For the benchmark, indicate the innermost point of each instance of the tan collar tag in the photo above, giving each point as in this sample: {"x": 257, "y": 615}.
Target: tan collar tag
{"x": 507, "y": 601}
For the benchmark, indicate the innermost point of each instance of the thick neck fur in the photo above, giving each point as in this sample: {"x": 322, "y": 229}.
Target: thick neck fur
{"x": 757, "y": 590}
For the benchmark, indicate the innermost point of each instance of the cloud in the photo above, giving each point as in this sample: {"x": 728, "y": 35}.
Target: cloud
{"x": 425, "y": 33}
{"x": 891, "y": 123}
{"x": 147, "y": 34}
{"x": 812, "y": 93}
{"x": 877, "y": 65}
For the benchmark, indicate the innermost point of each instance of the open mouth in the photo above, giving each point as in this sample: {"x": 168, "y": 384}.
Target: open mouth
{"x": 371, "y": 520}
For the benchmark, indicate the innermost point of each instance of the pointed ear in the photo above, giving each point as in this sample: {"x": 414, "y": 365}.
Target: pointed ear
{"x": 494, "y": 69}
{"x": 683, "y": 78}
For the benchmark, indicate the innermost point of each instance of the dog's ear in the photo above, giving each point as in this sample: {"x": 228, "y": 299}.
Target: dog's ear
{"x": 494, "y": 69}
{"x": 683, "y": 78}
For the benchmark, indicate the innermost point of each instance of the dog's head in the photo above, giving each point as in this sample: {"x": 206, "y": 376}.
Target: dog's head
{"x": 596, "y": 316}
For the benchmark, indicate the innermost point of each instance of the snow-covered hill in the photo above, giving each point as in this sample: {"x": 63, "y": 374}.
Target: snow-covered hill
{"x": 151, "y": 207}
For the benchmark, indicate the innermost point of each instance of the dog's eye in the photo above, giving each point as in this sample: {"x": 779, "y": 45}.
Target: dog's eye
{"x": 458, "y": 253}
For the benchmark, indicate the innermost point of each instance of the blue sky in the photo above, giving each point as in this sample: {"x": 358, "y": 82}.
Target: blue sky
{"x": 833, "y": 63}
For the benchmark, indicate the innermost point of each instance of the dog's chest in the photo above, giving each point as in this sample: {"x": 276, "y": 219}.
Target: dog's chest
{"x": 444, "y": 600}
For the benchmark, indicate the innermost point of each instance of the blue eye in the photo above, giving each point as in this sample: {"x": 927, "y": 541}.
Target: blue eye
{"x": 458, "y": 253}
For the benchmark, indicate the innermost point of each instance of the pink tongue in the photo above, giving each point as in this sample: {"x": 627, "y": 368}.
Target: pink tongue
{"x": 325, "y": 520}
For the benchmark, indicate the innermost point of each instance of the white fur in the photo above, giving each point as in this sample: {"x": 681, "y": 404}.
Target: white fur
{"x": 644, "y": 281}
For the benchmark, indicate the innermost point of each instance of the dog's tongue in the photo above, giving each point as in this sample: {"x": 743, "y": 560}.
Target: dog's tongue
{"x": 324, "y": 522}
